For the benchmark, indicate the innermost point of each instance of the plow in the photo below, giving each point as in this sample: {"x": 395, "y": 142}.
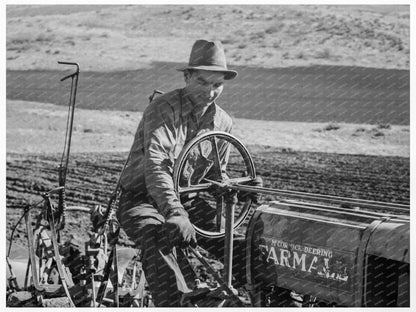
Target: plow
{"x": 303, "y": 249}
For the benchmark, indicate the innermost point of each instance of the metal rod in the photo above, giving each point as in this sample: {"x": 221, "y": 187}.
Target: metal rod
{"x": 230, "y": 201}
{"x": 74, "y": 87}
{"x": 115, "y": 279}
{"x": 104, "y": 282}
{"x": 220, "y": 206}
{"x": 133, "y": 279}
{"x": 317, "y": 197}
{"x": 32, "y": 256}
{"x": 154, "y": 93}
{"x": 12, "y": 277}
{"x": 94, "y": 296}
{"x": 72, "y": 100}
{"x": 27, "y": 274}
{"x": 228, "y": 248}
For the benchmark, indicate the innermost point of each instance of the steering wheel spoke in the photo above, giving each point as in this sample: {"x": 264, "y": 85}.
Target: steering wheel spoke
{"x": 193, "y": 188}
{"x": 240, "y": 180}
{"x": 217, "y": 160}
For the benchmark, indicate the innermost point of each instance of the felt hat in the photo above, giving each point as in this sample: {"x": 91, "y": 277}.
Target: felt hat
{"x": 209, "y": 55}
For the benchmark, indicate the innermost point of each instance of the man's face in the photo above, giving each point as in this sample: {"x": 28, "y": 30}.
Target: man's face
{"x": 203, "y": 87}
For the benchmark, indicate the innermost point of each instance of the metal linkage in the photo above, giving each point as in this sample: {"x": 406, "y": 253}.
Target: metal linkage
{"x": 352, "y": 202}
{"x": 329, "y": 199}
{"x": 66, "y": 281}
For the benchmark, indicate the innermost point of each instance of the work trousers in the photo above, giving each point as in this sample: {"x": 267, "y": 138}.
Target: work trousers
{"x": 167, "y": 270}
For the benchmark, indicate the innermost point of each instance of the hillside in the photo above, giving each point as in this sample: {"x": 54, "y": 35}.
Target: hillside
{"x": 107, "y": 38}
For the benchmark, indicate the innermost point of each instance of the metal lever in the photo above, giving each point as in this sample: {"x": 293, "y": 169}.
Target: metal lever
{"x": 154, "y": 93}
{"x": 214, "y": 274}
{"x": 55, "y": 190}
{"x": 73, "y": 74}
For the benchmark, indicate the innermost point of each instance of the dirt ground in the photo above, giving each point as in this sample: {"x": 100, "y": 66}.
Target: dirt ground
{"x": 40, "y": 128}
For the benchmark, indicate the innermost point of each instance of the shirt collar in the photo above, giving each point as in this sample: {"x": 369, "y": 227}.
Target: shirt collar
{"x": 188, "y": 107}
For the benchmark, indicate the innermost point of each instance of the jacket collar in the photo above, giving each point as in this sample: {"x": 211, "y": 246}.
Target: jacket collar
{"x": 188, "y": 106}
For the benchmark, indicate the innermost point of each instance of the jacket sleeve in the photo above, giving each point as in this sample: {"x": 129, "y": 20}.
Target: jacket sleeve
{"x": 160, "y": 140}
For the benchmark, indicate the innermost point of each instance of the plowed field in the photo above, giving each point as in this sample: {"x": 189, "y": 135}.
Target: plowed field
{"x": 92, "y": 177}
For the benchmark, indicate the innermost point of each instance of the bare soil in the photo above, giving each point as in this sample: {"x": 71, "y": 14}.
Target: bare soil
{"x": 40, "y": 128}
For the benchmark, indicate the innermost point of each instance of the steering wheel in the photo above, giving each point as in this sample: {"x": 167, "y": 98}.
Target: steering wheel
{"x": 200, "y": 173}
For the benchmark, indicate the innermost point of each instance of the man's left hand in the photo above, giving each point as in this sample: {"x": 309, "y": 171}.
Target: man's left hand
{"x": 254, "y": 196}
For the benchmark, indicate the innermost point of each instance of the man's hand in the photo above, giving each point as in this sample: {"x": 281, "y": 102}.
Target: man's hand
{"x": 255, "y": 197}
{"x": 180, "y": 231}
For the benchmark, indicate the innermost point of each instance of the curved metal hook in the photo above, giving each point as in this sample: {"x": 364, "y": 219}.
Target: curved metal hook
{"x": 73, "y": 74}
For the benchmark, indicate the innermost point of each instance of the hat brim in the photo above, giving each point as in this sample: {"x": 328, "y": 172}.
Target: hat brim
{"x": 228, "y": 74}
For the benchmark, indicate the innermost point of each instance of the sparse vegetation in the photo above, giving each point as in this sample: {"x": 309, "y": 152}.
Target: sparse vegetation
{"x": 378, "y": 134}
{"x": 300, "y": 55}
{"x": 19, "y": 44}
{"x": 258, "y": 35}
{"x": 323, "y": 54}
{"x": 271, "y": 30}
{"x": 332, "y": 127}
{"x": 42, "y": 38}
{"x": 358, "y": 131}
{"x": 384, "y": 126}
{"x": 230, "y": 40}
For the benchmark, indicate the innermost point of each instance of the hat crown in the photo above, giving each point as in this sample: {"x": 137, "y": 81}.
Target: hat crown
{"x": 210, "y": 56}
{"x": 207, "y": 53}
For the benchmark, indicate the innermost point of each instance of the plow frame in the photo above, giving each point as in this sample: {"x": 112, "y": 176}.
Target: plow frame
{"x": 49, "y": 222}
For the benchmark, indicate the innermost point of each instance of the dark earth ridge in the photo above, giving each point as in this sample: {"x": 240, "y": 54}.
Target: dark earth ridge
{"x": 305, "y": 94}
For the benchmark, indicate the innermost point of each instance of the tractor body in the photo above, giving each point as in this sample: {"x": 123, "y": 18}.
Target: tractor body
{"x": 337, "y": 256}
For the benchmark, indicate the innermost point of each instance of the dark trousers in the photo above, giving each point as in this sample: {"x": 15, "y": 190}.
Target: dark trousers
{"x": 167, "y": 270}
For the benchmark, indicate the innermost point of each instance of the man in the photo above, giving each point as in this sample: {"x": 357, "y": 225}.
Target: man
{"x": 150, "y": 212}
